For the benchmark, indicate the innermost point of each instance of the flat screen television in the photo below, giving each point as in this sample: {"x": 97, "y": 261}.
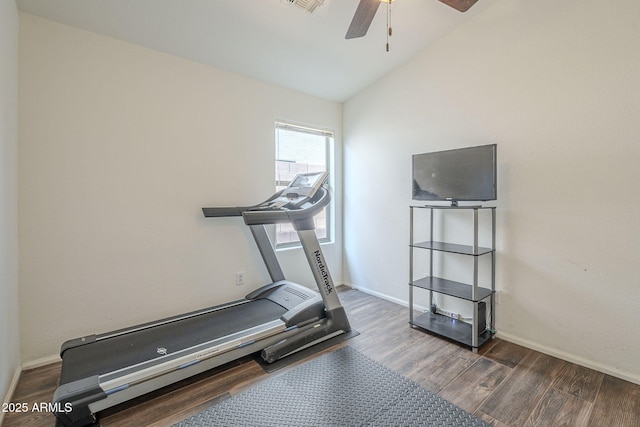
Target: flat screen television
{"x": 462, "y": 174}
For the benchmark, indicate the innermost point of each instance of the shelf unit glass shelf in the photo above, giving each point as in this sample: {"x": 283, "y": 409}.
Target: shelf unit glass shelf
{"x": 452, "y": 248}
{"x": 452, "y": 288}
{"x": 454, "y": 329}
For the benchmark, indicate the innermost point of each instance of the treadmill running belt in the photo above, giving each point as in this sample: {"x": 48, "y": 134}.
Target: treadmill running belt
{"x": 122, "y": 351}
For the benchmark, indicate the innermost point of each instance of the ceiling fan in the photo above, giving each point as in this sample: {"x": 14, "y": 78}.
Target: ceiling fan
{"x": 367, "y": 10}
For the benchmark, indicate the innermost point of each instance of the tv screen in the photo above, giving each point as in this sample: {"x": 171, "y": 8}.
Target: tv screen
{"x": 463, "y": 174}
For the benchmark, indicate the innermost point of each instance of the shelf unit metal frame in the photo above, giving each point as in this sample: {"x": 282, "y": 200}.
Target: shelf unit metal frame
{"x": 470, "y": 292}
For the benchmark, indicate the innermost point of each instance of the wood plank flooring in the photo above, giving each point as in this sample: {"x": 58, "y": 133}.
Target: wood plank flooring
{"x": 504, "y": 384}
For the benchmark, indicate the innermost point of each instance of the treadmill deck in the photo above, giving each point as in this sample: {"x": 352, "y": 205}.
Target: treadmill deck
{"x": 119, "y": 352}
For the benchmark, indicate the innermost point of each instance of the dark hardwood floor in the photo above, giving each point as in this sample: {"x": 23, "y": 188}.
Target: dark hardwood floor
{"x": 504, "y": 384}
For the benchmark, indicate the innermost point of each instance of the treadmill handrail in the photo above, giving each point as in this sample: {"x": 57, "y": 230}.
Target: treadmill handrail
{"x": 263, "y": 213}
{"x": 222, "y": 212}
{"x": 294, "y": 216}
{"x": 228, "y": 211}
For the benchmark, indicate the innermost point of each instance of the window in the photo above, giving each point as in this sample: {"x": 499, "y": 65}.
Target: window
{"x": 301, "y": 150}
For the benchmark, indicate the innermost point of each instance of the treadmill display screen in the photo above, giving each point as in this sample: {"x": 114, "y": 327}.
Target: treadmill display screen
{"x": 307, "y": 183}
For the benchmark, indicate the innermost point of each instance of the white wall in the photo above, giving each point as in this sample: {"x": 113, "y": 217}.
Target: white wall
{"x": 9, "y": 331}
{"x": 556, "y": 85}
{"x": 120, "y": 147}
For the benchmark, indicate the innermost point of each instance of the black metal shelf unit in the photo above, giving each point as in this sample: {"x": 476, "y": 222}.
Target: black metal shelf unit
{"x": 466, "y": 333}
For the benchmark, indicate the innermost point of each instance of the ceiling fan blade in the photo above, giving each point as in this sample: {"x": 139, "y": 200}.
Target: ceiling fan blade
{"x": 461, "y": 5}
{"x": 362, "y": 18}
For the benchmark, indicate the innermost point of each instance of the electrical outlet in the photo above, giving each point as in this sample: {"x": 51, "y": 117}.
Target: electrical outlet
{"x": 497, "y": 297}
{"x": 239, "y": 278}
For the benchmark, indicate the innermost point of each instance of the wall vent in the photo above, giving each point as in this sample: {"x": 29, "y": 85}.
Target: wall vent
{"x": 306, "y": 5}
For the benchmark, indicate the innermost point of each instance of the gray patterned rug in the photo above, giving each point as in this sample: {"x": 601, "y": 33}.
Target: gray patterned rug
{"x": 342, "y": 388}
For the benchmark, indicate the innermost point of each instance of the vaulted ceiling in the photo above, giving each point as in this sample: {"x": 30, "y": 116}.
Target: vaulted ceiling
{"x": 270, "y": 40}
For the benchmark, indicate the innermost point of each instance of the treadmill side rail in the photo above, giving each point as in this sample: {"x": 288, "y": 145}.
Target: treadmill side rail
{"x": 83, "y": 398}
{"x": 73, "y": 400}
{"x": 123, "y": 378}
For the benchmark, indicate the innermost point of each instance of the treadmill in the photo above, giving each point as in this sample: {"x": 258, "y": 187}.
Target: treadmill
{"x": 280, "y": 318}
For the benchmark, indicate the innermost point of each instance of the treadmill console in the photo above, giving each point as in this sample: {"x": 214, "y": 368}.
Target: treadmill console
{"x": 301, "y": 189}
{"x": 305, "y": 184}
{"x": 299, "y": 202}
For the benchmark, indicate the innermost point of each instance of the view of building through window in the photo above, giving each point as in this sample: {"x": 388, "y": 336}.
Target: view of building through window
{"x": 300, "y": 150}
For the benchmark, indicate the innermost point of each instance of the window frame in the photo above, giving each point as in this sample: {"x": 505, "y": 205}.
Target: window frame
{"x": 329, "y": 142}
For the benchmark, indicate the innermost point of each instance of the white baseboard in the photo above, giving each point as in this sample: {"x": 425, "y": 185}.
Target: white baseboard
{"x": 526, "y": 343}
{"x": 386, "y": 297}
{"x": 570, "y": 357}
{"x": 40, "y": 362}
{"x": 12, "y": 388}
